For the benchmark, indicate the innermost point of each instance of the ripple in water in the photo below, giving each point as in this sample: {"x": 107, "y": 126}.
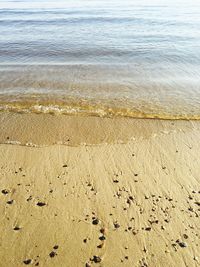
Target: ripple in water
{"x": 121, "y": 58}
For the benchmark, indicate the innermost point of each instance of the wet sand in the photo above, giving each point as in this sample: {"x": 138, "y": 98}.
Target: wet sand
{"x": 116, "y": 192}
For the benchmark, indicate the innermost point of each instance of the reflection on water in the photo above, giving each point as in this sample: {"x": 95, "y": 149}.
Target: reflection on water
{"x": 131, "y": 57}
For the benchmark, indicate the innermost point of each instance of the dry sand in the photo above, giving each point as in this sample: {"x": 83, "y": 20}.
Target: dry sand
{"x": 120, "y": 192}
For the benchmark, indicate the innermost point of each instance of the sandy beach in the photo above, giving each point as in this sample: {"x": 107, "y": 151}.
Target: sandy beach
{"x": 89, "y": 191}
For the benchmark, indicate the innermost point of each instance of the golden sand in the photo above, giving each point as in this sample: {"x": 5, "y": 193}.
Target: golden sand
{"x": 87, "y": 191}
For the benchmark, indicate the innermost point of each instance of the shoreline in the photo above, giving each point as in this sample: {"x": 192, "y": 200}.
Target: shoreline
{"x": 46, "y": 129}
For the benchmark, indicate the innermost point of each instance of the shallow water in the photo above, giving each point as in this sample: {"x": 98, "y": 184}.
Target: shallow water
{"x": 107, "y": 58}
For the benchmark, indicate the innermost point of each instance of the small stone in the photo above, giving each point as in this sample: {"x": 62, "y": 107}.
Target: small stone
{"x": 52, "y": 254}
{"x": 197, "y": 203}
{"x": 131, "y": 198}
{"x": 29, "y": 198}
{"x": 95, "y": 221}
{"x": 41, "y": 204}
{"x": 4, "y": 191}
{"x": 148, "y": 228}
{"x": 27, "y": 262}
{"x": 10, "y": 202}
{"x": 55, "y": 247}
{"x": 65, "y": 166}
{"x": 96, "y": 259}
{"x": 16, "y": 228}
{"x": 182, "y": 244}
{"x": 85, "y": 240}
{"x": 185, "y": 236}
{"x": 116, "y": 225}
{"x": 102, "y": 230}
{"x": 102, "y": 238}
{"x": 115, "y": 181}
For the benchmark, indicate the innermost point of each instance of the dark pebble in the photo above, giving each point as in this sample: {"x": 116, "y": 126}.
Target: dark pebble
{"x": 27, "y": 261}
{"x": 95, "y": 221}
{"x": 41, "y": 204}
{"x": 197, "y": 203}
{"x": 148, "y": 228}
{"x": 115, "y": 181}
{"x": 182, "y": 244}
{"x": 96, "y": 259}
{"x": 16, "y": 228}
{"x": 102, "y": 238}
{"x": 9, "y": 202}
{"x": 102, "y": 230}
{"x": 116, "y": 225}
{"x": 4, "y": 191}
{"x": 185, "y": 236}
{"x": 52, "y": 254}
{"x": 55, "y": 247}
{"x": 65, "y": 166}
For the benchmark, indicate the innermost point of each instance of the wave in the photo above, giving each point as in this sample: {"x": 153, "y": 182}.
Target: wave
{"x": 98, "y": 110}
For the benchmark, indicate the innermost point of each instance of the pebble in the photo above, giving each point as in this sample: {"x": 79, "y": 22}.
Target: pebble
{"x": 102, "y": 238}
{"x": 116, "y": 225}
{"x": 182, "y": 244}
{"x": 52, "y": 254}
{"x": 10, "y": 202}
{"x": 197, "y": 203}
{"x": 96, "y": 259}
{"x": 55, "y": 247}
{"x": 185, "y": 236}
{"x": 28, "y": 261}
{"x": 102, "y": 230}
{"x": 4, "y": 191}
{"x": 16, "y": 228}
{"x": 95, "y": 221}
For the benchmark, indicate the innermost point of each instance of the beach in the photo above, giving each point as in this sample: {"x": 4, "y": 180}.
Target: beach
{"x": 91, "y": 191}
{"x": 99, "y": 133}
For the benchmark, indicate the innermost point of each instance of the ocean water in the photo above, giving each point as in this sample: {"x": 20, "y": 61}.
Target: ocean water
{"x": 106, "y": 58}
